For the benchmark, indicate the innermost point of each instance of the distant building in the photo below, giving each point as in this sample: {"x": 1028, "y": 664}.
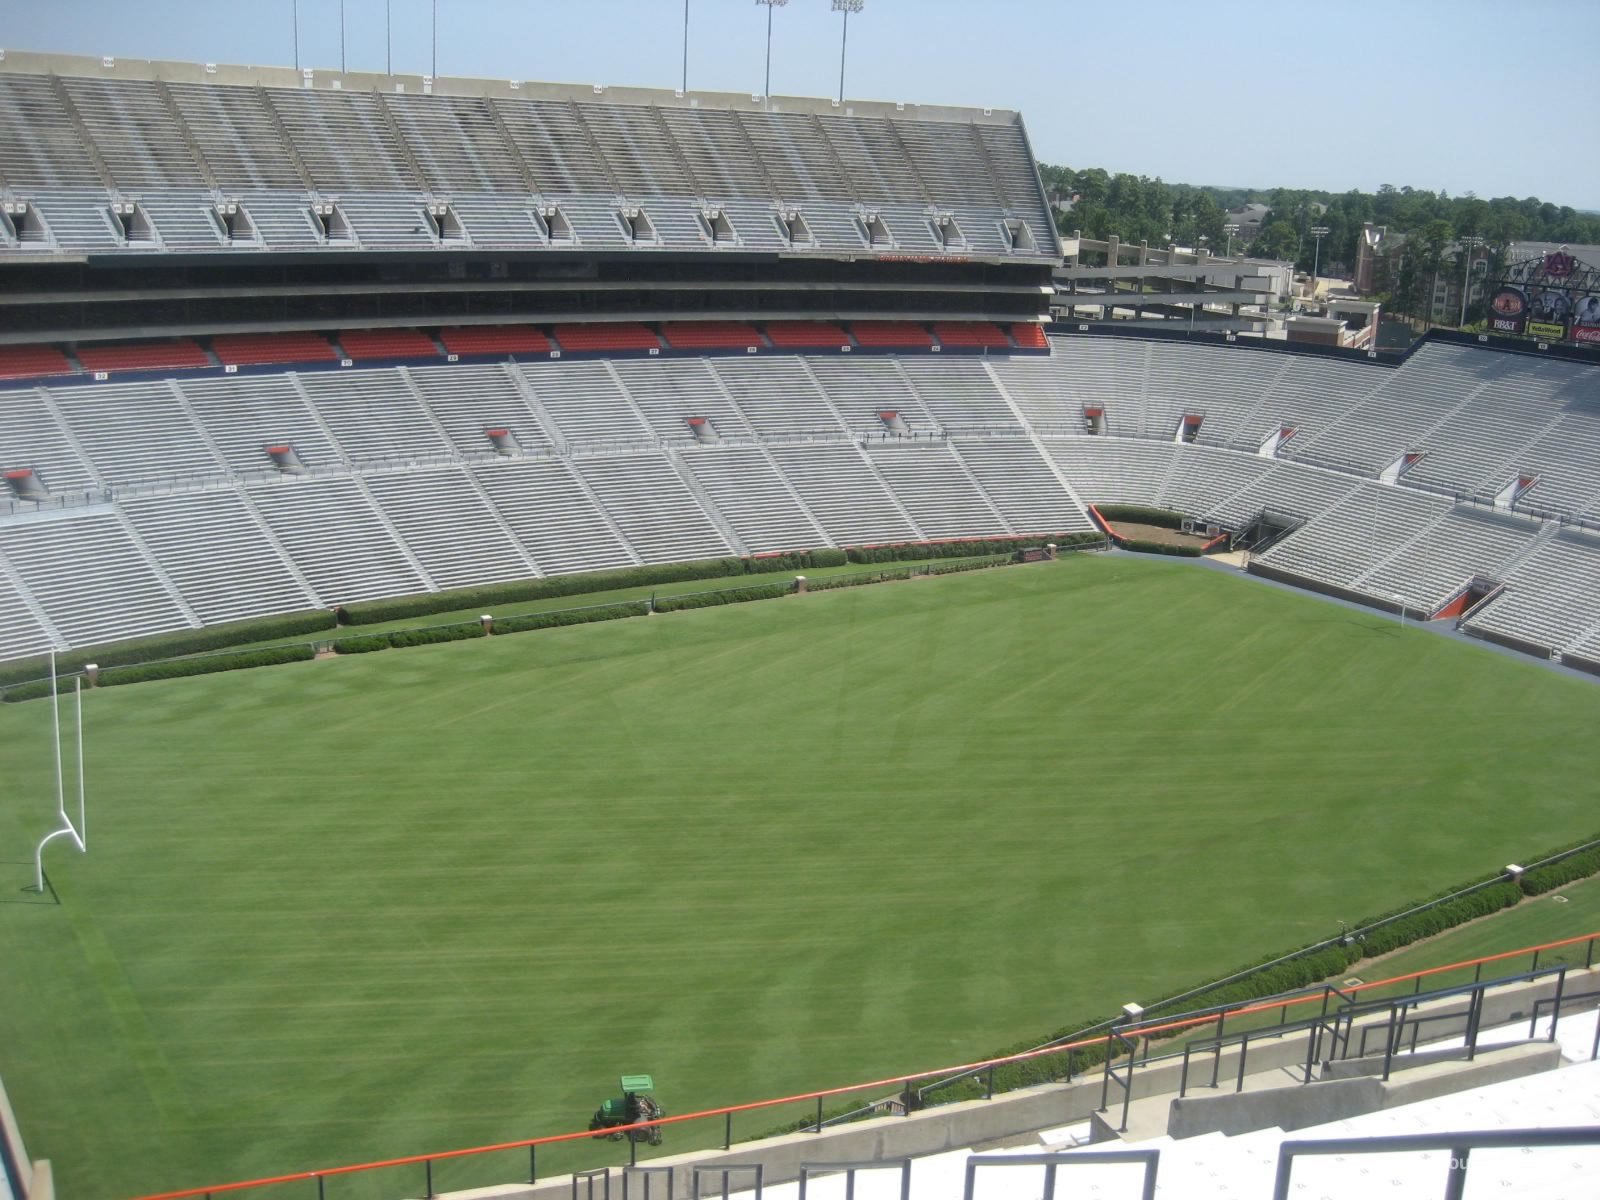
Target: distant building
{"x": 1249, "y": 219}
{"x": 1352, "y": 324}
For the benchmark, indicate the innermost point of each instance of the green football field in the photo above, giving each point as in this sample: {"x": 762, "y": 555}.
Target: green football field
{"x": 437, "y": 897}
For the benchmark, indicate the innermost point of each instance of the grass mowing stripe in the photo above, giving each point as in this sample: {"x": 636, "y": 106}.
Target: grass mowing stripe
{"x": 378, "y": 905}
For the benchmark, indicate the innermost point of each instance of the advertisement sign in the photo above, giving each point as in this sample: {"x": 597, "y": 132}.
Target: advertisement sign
{"x": 1559, "y": 265}
{"x": 1545, "y": 331}
{"x": 1549, "y": 305}
{"x": 1586, "y": 320}
{"x": 1508, "y": 310}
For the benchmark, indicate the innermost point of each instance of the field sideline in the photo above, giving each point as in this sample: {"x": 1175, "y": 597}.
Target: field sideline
{"x": 400, "y": 902}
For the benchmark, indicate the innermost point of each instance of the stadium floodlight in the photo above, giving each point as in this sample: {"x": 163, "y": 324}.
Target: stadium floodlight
{"x": 294, "y": 17}
{"x": 1319, "y": 232}
{"x": 341, "y": 37}
{"x": 846, "y": 7}
{"x": 686, "y": 47}
{"x": 766, "y": 88}
{"x": 1468, "y": 245}
{"x": 388, "y": 38}
{"x": 1230, "y": 230}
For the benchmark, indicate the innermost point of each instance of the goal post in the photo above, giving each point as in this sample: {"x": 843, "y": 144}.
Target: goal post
{"x": 65, "y": 828}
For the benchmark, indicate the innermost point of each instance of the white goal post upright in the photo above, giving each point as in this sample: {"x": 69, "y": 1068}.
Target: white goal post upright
{"x": 66, "y": 828}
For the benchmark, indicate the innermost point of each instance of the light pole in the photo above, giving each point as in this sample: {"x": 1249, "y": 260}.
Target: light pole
{"x": 295, "y": 11}
{"x": 1230, "y": 230}
{"x": 388, "y": 40}
{"x": 341, "y": 37}
{"x": 686, "y": 47}
{"x": 846, "y": 7}
{"x": 766, "y": 87}
{"x": 1319, "y": 232}
{"x": 434, "y": 68}
{"x": 1469, "y": 245}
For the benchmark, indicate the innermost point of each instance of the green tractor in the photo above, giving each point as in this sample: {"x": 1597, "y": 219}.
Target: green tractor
{"x": 634, "y": 1105}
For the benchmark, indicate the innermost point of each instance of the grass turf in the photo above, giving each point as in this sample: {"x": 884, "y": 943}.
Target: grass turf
{"x": 373, "y": 906}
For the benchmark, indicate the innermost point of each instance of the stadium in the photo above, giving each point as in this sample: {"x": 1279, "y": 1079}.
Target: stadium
{"x": 320, "y": 388}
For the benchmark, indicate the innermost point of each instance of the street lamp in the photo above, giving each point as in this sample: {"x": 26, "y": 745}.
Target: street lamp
{"x": 1319, "y": 232}
{"x": 846, "y": 7}
{"x": 766, "y": 88}
{"x": 1470, "y": 244}
{"x": 1230, "y": 230}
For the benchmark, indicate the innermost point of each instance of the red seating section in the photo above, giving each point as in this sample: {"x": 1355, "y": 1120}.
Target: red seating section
{"x": 143, "y": 356}
{"x": 806, "y": 335}
{"x": 1030, "y": 337}
{"x": 245, "y": 349}
{"x": 387, "y": 343}
{"x": 606, "y": 337}
{"x": 495, "y": 339}
{"x": 898, "y": 334}
{"x": 972, "y": 333}
{"x": 710, "y": 335}
{"x": 23, "y": 362}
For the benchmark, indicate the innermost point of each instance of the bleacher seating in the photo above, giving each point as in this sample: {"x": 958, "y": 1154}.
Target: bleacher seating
{"x": 495, "y": 339}
{"x": 806, "y": 335}
{"x": 710, "y": 335}
{"x": 1030, "y": 337}
{"x": 617, "y": 336}
{"x": 892, "y": 335}
{"x": 28, "y": 362}
{"x": 971, "y": 333}
{"x": 465, "y": 473}
{"x": 177, "y": 354}
{"x": 369, "y": 344}
{"x": 249, "y": 349}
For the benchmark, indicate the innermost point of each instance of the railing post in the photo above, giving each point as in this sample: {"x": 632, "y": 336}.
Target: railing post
{"x": 1555, "y": 1005}
{"x": 1535, "y": 966}
{"x": 533, "y": 1164}
{"x": 1388, "y": 1042}
{"x": 989, "y": 1094}
{"x": 427, "y": 1166}
{"x": 727, "y": 1131}
{"x": 1244, "y": 1051}
{"x": 819, "y": 1114}
{"x": 1183, "y": 1076}
{"x": 319, "y": 1188}
{"x": 1588, "y": 957}
{"x": 905, "y": 1098}
{"x": 1456, "y": 1181}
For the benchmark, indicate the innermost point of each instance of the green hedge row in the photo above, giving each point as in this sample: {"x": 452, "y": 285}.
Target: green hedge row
{"x": 170, "y": 645}
{"x": 401, "y": 608}
{"x": 1140, "y": 546}
{"x": 1140, "y": 515}
{"x": 1538, "y": 880}
{"x": 174, "y": 668}
{"x": 206, "y": 664}
{"x": 964, "y": 549}
{"x": 763, "y": 591}
{"x": 367, "y": 643}
{"x": 571, "y": 616}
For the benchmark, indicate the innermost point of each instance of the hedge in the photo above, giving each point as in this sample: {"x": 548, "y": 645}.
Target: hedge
{"x": 901, "y": 551}
{"x": 174, "y": 668}
{"x": 1140, "y": 515}
{"x": 1140, "y": 546}
{"x": 764, "y": 591}
{"x": 207, "y": 664}
{"x": 367, "y": 643}
{"x": 170, "y": 645}
{"x": 571, "y": 616}
{"x": 1537, "y": 880}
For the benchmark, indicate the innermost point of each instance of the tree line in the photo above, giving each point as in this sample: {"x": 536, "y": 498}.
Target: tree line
{"x": 1137, "y": 208}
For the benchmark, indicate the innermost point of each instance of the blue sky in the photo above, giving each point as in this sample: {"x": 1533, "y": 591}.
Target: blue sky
{"x": 1465, "y": 95}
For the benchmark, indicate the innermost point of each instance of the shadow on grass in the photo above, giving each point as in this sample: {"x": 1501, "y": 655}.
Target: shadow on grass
{"x": 26, "y": 892}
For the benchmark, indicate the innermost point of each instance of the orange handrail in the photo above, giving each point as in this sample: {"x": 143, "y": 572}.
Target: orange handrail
{"x": 825, "y": 1093}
